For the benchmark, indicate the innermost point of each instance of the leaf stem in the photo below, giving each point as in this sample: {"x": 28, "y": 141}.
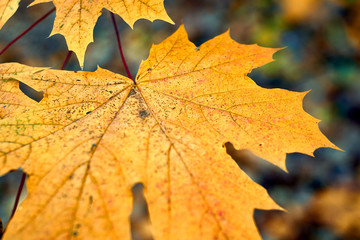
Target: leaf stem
{"x": 120, "y": 48}
{"x": 68, "y": 55}
{"x": 27, "y": 30}
{"x": 17, "y": 199}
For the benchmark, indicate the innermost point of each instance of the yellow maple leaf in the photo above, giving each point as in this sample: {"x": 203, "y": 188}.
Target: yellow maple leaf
{"x": 96, "y": 134}
{"x": 75, "y": 19}
{"x": 7, "y": 9}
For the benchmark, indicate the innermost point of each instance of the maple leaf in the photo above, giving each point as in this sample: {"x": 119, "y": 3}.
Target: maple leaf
{"x": 75, "y": 19}
{"x": 96, "y": 134}
{"x": 7, "y": 9}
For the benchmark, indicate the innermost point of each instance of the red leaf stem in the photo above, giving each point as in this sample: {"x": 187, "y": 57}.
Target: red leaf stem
{"x": 68, "y": 55}
{"x": 120, "y": 48}
{"x": 27, "y": 30}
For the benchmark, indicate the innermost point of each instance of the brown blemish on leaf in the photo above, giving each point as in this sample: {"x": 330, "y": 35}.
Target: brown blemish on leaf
{"x": 93, "y": 147}
{"x": 143, "y": 114}
{"x": 132, "y": 92}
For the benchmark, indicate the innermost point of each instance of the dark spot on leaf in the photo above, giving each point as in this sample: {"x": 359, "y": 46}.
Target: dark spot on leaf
{"x": 260, "y": 145}
{"x": 78, "y": 225}
{"x": 143, "y": 114}
{"x": 149, "y": 69}
{"x": 92, "y": 147}
{"x": 75, "y": 233}
{"x": 88, "y": 112}
{"x": 197, "y": 49}
{"x": 30, "y": 92}
{"x": 91, "y": 199}
{"x": 71, "y": 176}
{"x": 132, "y": 92}
{"x": 78, "y": 80}
{"x": 110, "y": 91}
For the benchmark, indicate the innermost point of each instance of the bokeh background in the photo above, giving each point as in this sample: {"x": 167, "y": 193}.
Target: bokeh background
{"x": 321, "y": 193}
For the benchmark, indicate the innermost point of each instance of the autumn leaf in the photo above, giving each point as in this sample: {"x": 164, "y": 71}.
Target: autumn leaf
{"x": 96, "y": 134}
{"x": 7, "y": 9}
{"x": 75, "y": 19}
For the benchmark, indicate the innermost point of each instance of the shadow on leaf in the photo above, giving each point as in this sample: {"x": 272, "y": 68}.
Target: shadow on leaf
{"x": 30, "y": 92}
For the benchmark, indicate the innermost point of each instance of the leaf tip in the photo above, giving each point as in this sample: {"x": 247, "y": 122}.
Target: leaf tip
{"x": 131, "y": 24}
{"x": 180, "y": 33}
{"x": 227, "y": 32}
{"x": 168, "y": 20}
{"x": 181, "y": 28}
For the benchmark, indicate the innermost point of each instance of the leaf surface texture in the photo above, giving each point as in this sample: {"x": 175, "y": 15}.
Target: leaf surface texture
{"x": 7, "y": 9}
{"x": 76, "y": 19}
{"x": 96, "y": 134}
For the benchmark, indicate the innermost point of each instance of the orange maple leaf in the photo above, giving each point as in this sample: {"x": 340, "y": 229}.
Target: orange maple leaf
{"x": 7, "y": 9}
{"x": 75, "y": 19}
{"x": 96, "y": 134}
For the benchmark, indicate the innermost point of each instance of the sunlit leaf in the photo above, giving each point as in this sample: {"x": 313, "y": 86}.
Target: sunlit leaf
{"x": 95, "y": 135}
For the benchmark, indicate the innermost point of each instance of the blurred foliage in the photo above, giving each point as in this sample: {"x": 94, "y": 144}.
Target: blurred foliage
{"x": 332, "y": 213}
{"x": 321, "y": 41}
